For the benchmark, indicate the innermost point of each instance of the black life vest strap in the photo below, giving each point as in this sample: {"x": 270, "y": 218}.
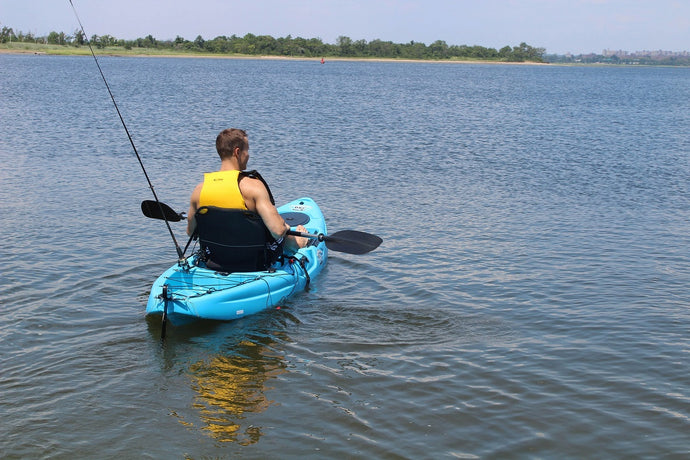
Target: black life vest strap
{"x": 254, "y": 174}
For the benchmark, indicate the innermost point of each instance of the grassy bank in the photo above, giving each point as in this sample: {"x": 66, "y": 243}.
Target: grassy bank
{"x": 61, "y": 50}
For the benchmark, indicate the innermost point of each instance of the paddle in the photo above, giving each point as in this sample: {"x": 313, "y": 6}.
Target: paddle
{"x": 347, "y": 241}
{"x": 158, "y": 210}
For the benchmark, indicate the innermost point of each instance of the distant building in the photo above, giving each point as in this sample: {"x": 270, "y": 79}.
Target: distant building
{"x": 645, "y": 53}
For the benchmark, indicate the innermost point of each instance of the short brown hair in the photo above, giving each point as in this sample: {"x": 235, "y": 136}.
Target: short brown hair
{"x": 230, "y": 139}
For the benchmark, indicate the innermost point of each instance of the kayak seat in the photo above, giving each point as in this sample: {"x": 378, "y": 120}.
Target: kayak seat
{"x": 234, "y": 240}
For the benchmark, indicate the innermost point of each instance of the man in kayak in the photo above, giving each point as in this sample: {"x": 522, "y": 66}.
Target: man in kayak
{"x": 231, "y": 188}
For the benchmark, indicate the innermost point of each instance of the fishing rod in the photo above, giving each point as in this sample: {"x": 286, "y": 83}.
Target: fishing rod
{"x": 180, "y": 254}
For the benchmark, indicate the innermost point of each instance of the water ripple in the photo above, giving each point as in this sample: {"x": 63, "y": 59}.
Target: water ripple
{"x": 529, "y": 299}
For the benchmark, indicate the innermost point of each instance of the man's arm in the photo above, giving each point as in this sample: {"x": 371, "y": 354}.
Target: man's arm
{"x": 193, "y": 206}
{"x": 257, "y": 199}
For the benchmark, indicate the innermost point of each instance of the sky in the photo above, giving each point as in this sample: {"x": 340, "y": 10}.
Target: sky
{"x": 559, "y": 26}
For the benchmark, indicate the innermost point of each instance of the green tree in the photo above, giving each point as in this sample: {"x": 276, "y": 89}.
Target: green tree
{"x": 536, "y": 54}
{"x": 314, "y": 46}
{"x": 79, "y": 38}
{"x": 199, "y": 42}
{"x": 7, "y": 35}
{"x": 439, "y": 49}
{"x": 524, "y": 52}
{"x": 344, "y": 44}
{"x": 387, "y": 49}
{"x": 148, "y": 42}
{"x": 415, "y": 50}
{"x": 220, "y": 44}
{"x": 108, "y": 40}
{"x": 266, "y": 45}
{"x": 54, "y": 38}
{"x": 359, "y": 48}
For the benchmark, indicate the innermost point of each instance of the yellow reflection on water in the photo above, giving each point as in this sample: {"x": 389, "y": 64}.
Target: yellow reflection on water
{"x": 231, "y": 386}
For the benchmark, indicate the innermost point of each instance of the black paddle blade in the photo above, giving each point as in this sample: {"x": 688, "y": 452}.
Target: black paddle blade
{"x": 158, "y": 210}
{"x": 352, "y": 242}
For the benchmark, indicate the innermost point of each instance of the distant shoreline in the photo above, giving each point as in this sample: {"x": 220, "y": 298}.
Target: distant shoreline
{"x": 39, "y": 50}
{"x": 61, "y": 50}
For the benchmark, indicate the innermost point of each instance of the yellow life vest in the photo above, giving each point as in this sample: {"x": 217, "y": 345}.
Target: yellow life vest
{"x": 222, "y": 189}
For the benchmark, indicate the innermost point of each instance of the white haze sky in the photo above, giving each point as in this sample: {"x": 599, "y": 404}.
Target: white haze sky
{"x": 560, "y": 26}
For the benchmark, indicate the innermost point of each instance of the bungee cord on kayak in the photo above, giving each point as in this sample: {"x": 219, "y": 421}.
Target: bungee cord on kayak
{"x": 205, "y": 284}
{"x": 180, "y": 253}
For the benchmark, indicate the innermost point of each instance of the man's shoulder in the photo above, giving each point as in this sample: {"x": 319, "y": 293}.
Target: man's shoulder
{"x": 197, "y": 190}
{"x": 251, "y": 186}
{"x": 249, "y": 180}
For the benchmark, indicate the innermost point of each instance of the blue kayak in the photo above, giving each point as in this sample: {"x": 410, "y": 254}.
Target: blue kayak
{"x": 188, "y": 292}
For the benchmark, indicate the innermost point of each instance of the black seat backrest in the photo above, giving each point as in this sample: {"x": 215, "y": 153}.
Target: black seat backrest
{"x": 232, "y": 240}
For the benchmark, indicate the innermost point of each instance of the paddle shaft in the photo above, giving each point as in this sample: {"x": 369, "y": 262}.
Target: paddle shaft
{"x": 320, "y": 236}
{"x": 158, "y": 210}
{"x": 348, "y": 241}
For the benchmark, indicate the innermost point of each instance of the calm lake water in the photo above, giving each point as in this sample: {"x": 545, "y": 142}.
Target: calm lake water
{"x": 530, "y": 299}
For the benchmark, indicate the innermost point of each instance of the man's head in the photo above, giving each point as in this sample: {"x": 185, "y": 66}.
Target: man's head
{"x": 229, "y": 140}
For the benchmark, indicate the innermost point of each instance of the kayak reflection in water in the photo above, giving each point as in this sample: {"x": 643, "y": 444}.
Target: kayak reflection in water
{"x": 231, "y": 386}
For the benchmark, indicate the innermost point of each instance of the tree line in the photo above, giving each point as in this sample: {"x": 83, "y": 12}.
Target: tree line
{"x": 677, "y": 59}
{"x": 266, "y": 45}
